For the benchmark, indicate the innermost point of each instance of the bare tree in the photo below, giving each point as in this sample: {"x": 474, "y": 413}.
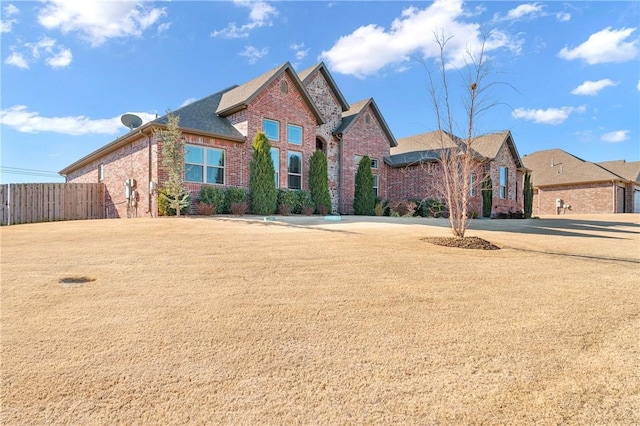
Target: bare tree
{"x": 461, "y": 168}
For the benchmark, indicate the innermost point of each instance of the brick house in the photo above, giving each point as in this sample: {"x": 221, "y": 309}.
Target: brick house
{"x": 299, "y": 112}
{"x": 564, "y": 183}
{"x": 413, "y": 169}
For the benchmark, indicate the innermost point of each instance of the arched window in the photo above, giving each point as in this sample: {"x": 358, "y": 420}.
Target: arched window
{"x": 284, "y": 87}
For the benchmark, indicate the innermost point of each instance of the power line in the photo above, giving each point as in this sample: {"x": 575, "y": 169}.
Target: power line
{"x": 28, "y": 172}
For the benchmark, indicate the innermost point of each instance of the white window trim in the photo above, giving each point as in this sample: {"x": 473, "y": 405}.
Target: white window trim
{"x": 295, "y": 174}
{"x": 264, "y": 120}
{"x": 204, "y": 165}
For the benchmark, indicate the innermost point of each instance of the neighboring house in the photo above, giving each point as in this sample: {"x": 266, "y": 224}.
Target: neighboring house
{"x": 299, "y": 112}
{"x": 564, "y": 183}
{"x": 414, "y": 170}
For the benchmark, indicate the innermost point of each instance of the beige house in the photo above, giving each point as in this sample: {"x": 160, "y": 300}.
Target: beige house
{"x": 564, "y": 183}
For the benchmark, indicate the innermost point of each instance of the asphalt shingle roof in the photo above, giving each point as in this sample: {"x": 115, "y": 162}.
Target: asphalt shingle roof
{"x": 349, "y": 117}
{"x": 629, "y": 171}
{"x": 557, "y": 167}
{"x": 201, "y": 116}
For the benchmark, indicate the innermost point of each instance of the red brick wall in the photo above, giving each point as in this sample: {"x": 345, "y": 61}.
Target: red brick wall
{"x": 363, "y": 138}
{"x": 583, "y": 198}
{"x": 286, "y": 108}
{"x": 129, "y": 161}
{"x": 421, "y": 182}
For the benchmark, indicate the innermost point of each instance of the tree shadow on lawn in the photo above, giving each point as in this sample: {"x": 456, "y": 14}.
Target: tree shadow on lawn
{"x": 559, "y": 227}
{"x": 310, "y": 224}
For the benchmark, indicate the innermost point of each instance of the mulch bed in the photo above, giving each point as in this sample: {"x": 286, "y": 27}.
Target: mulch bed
{"x": 475, "y": 243}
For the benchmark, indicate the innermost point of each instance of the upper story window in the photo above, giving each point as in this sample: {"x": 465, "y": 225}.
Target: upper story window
{"x": 204, "y": 165}
{"x": 271, "y": 128}
{"x": 503, "y": 182}
{"x": 374, "y": 162}
{"x": 294, "y": 134}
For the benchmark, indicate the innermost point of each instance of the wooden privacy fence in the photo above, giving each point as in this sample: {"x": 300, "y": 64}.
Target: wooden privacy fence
{"x": 46, "y": 202}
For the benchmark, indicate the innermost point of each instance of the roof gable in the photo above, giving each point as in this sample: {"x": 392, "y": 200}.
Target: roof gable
{"x": 305, "y": 76}
{"x": 487, "y": 146}
{"x": 629, "y": 171}
{"x": 557, "y": 167}
{"x": 241, "y": 96}
{"x": 349, "y": 117}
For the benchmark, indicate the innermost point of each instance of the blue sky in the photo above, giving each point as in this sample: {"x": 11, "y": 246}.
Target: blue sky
{"x": 568, "y": 72}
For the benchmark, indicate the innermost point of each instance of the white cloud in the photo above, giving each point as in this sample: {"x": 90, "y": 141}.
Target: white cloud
{"x": 8, "y": 12}
{"x": 593, "y": 87}
{"x": 528, "y": 10}
{"x": 253, "y": 53}
{"x": 98, "y": 21}
{"x": 61, "y": 59}
{"x": 260, "y": 13}
{"x": 603, "y": 47}
{"x": 23, "y": 120}
{"x": 563, "y": 16}
{"x": 17, "y": 60}
{"x": 546, "y": 116}
{"x": 164, "y": 27}
{"x": 300, "y": 51}
{"x": 370, "y": 48}
{"x": 614, "y": 137}
{"x": 56, "y": 56}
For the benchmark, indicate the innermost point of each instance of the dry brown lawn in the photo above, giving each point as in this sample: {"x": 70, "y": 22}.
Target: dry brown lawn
{"x": 241, "y": 321}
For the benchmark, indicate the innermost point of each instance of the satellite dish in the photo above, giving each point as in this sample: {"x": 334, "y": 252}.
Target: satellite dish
{"x": 131, "y": 121}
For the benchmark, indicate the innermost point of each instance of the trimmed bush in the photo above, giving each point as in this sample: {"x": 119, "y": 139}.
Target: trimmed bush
{"x": 205, "y": 209}
{"x": 239, "y": 208}
{"x": 305, "y": 201}
{"x": 487, "y": 196}
{"x": 528, "y": 196}
{"x": 402, "y": 208}
{"x": 234, "y": 195}
{"x": 319, "y": 180}
{"x": 262, "y": 185}
{"x": 289, "y": 198}
{"x": 364, "y": 198}
{"x": 213, "y": 196}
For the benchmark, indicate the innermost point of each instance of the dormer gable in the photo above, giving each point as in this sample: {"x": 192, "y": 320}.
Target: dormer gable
{"x": 357, "y": 110}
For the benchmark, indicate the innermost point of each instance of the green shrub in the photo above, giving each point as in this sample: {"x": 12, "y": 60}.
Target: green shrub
{"x": 262, "y": 185}
{"x": 234, "y": 195}
{"x": 435, "y": 208}
{"x": 319, "y": 180}
{"x": 528, "y": 196}
{"x": 364, "y": 198}
{"x": 214, "y": 196}
{"x": 421, "y": 207}
{"x": 305, "y": 201}
{"x": 289, "y": 198}
{"x": 487, "y": 196}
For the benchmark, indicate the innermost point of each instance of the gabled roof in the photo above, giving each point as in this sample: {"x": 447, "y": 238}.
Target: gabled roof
{"x": 557, "y": 167}
{"x": 239, "y": 97}
{"x": 629, "y": 171}
{"x": 196, "y": 117}
{"x": 321, "y": 67}
{"x": 428, "y": 146}
{"x": 349, "y": 117}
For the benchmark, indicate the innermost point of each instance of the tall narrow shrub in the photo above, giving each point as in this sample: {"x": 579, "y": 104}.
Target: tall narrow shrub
{"x": 528, "y": 195}
{"x": 262, "y": 184}
{"x": 487, "y": 196}
{"x": 173, "y": 194}
{"x": 319, "y": 181}
{"x": 364, "y": 199}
